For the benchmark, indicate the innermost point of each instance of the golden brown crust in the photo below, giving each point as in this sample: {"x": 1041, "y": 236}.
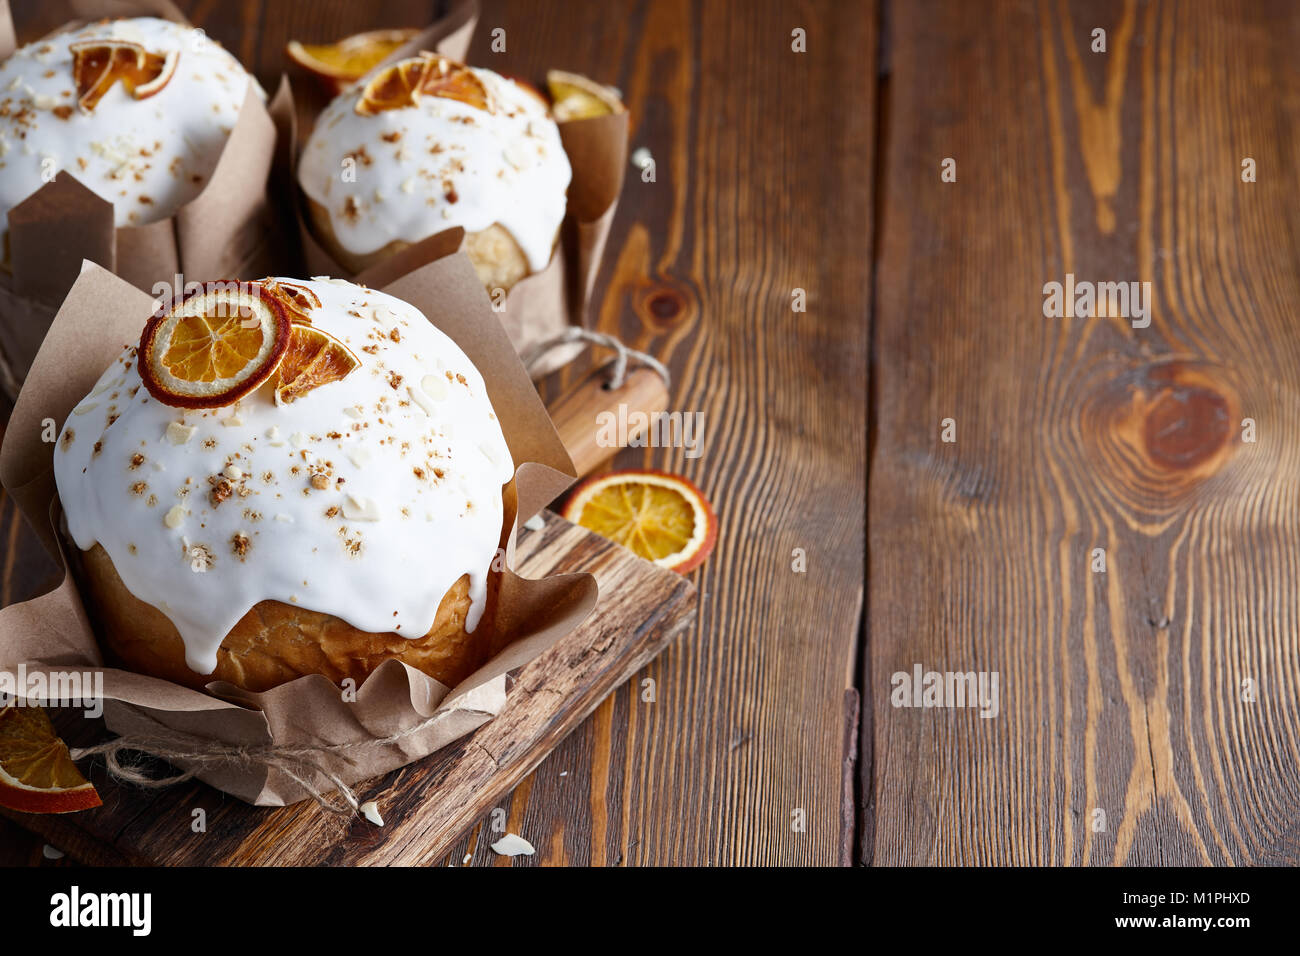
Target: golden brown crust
{"x": 275, "y": 642}
{"x": 497, "y": 258}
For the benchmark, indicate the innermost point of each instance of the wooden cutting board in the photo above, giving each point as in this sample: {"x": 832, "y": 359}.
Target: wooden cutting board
{"x": 425, "y": 805}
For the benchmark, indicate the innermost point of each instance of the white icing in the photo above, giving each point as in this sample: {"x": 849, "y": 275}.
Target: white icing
{"x": 403, "y": 534}
{"x": 148, "y": 157}
{"x": 505, "y": 166}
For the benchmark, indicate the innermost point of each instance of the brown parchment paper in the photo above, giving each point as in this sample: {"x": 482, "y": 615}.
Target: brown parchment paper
{"x": 52, "y": 632}
{"x": 225, "y": 230}
{"x": 540, "y": 306}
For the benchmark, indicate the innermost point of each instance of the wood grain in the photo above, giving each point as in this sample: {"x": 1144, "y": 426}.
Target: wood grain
{"x": 425, "y": 805}
{"x": 578, "y": 414}
{"x": 1121, "y": 691}
{"x": 762, "y": 186}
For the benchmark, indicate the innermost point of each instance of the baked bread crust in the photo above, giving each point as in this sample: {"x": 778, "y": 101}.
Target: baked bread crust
{"x": 496, "y": 256}
{"x": 276, "y": 642}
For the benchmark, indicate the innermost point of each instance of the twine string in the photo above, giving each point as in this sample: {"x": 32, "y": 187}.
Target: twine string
{"x": 303, "y": 765}
{"x": 623, "y": 354}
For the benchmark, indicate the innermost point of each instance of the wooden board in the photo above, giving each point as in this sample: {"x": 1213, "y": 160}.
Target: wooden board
{"x": 425, "y": 805}
{"x": 1121, "y": 691}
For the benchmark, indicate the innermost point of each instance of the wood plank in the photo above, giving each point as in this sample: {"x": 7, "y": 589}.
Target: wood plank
{"x": 428, "y": 804}
{"x": 748, "y": 719}
{"x": 1120, "y": 691}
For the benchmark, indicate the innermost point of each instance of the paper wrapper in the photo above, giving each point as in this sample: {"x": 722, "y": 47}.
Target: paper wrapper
{"x": 52, "y": 632}
{"x": 224, "y": 231}
{"x": 540, "y": 306}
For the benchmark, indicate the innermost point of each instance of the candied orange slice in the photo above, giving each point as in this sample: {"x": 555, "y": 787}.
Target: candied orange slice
{"x": 403, "y": 84}
{"x": 314, "y": 358}
{"x": 453, "y": 81}
{"x": 574, "y": 97}
{"x": 220, "y": 343}
{"x": 37, "y": 774}
{"x": 98, "y": 64}
{"x": 662, "y": 517}
{"x": 350, "y": 58}
{"x": 392, "y": 88}
{"x": 298, "y": 300}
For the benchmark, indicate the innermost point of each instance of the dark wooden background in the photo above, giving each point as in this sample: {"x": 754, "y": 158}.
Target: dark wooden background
{"x": 747, "y": 724}
{"x": 1120, "y": 691}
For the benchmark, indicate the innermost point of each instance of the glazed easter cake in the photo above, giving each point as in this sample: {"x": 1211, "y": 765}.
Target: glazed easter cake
{"x": 285, "y": 478}
{"x": 138, "y": 110}
{"x": 428, "y": 144}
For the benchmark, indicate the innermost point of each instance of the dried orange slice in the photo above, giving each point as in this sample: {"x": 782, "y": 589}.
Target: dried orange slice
{"x": 158, "y": 71}
{"x": 403, "y": 84}
{"x": 453, "y": 81}
{"x": 298, "y": 300}
{"x": 350, "y": 58}
{"x": 220, "y": 343}
{"x": 575, "y": 97}
{"x": 662, "y": 517}
{"x": 392, "y": 87}
{"x": 37, "y": 774}
{"x": 314, "y": 358}
{"x": 98, "y": 64}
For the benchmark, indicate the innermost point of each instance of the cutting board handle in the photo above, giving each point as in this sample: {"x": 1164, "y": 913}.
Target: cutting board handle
{"x": 576, "y": 413}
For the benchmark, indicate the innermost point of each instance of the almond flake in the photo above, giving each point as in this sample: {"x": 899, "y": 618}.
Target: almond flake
{"x": 104, "y": 387}
{"x": 512, "y": 844}
{"x": 179, "y": 434}
{"x": 516, "y": 155}
{"x": 420, "y": 399}
{"x": 358, "y": 508}
{"x": 435, "y": 386}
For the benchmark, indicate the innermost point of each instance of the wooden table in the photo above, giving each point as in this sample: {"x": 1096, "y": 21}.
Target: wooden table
{"x": 747, "y": 722}
{"x": 1125, "y": 691}
{"x": 1120, "y": 691}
